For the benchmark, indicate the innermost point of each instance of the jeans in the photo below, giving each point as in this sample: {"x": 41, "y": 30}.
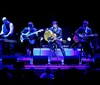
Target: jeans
{"x": 59, "y": 45}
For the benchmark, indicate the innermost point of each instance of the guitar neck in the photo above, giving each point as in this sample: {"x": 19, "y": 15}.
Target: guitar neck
{"x": 34, "y": 33}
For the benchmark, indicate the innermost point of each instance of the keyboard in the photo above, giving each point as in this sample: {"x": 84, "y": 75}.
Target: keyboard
{"x": 7, "y": 41}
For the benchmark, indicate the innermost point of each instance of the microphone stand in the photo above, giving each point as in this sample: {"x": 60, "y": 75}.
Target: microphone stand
{"x": 40, "y": 45}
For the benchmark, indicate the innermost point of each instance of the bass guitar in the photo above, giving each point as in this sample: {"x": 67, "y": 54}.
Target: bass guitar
{"x": 27, "y": 35}
{"x": 83, "y": 37}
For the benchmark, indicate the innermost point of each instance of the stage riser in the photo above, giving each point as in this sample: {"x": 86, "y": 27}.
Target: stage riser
{"x": 39, "y": 60}
{"x": 71, "y": 60}
{"x": 97, "y": 61}
{"x": 47, "y": 52}
{"x": 9, "y": 61}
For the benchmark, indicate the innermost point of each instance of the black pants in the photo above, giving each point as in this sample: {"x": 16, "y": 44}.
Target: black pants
{"x": 95, "y": 43}
{"x": 26, "y": 45}
{"x": 87, "y": 48}
{"x": 8, "y": 48}
{"x": 59, "y": 44}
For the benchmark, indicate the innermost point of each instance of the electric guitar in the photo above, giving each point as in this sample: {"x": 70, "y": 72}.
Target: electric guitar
{"x": 26, "y": 36}
{"x": 83, "y": 37}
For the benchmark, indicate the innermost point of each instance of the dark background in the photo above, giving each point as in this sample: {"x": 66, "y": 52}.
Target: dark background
{"x": 69, "y": 15}
{"x": 68, "y": 23}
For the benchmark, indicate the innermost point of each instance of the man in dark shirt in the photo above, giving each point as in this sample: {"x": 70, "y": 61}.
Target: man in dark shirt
{"x": 58, "y": 31}
{"x": 86, "y": 43}
{"x": 7, "y": 32}
{"x": 28, "y": 44}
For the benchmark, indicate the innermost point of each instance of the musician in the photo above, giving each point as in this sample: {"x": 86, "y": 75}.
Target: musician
{"x": 58, "y": 31}
{"x": 28, "y": 44}
{"x": 7, "y": 31}
{"x": 86, "y": 44}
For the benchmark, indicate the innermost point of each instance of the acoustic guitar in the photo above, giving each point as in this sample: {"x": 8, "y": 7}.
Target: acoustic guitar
{"x": 50, "y": 36}
{"x": 83, "y": 37}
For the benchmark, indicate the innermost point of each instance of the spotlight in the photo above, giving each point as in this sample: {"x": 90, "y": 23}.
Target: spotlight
{"x": 69, "y": 39}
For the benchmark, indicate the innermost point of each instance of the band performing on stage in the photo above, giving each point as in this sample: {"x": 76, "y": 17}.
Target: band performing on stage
{"x": 53, "y": 36}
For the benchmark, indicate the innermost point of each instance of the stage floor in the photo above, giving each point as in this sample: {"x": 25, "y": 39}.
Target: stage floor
{"x": 54, "y": 67}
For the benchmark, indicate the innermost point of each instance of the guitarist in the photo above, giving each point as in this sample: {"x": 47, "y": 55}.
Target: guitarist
{"x": 28, "y": 44}
{"x": 58, "y": 31}
{"x": 86, "y": 43}
{"x": 7, "y": 32}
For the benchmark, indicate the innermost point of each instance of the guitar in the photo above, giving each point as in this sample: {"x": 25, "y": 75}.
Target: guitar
{"x": 50, "y": 36}
{"x": 83, "y": 37}
{"x": 27, "y": 35}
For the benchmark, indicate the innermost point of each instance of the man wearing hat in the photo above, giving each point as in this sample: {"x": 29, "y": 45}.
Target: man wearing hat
{"x": 7, "y": 31}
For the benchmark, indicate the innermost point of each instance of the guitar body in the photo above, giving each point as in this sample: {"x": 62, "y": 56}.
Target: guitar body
{"x": 49, "y": 35}
{"x": 76, "y": 39}
{"x": 23, "y": 37}
{"x": 27, "y": 36}
{"x": 83, "y": 37}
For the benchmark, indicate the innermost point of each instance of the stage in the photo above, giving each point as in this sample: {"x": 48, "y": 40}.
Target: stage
{"x": 42, "y": 60}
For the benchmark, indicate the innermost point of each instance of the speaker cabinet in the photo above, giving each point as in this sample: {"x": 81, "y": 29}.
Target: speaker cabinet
{"x": 9, "y": 60}
{"x": 71, "y": 60}
{"x": 19, "y": 65}
{"x": 25, "y": 59}
{"x": 40, "y": 60}
{"x": 96, "y": 63}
